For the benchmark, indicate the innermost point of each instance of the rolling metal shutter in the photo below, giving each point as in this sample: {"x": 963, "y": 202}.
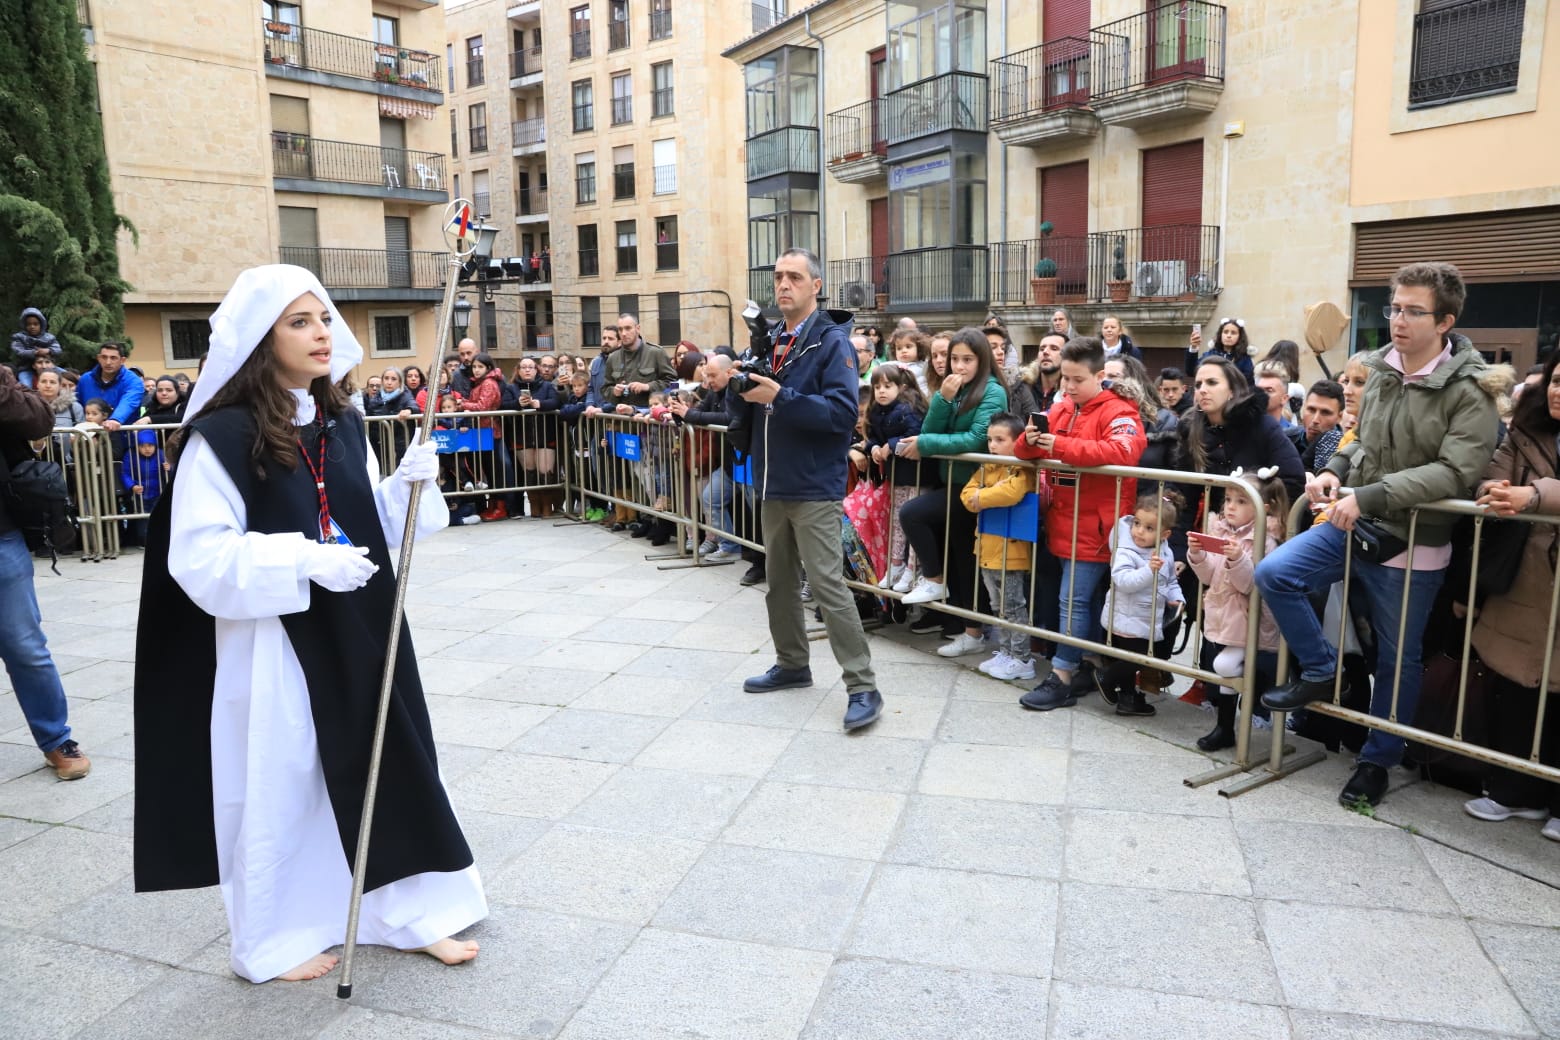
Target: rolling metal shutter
{"x": 1064, "y": 198}
{"x": 1172, "y": 184}
{"x": 1065, "y": 18}
{"x": 1514, "y": 246}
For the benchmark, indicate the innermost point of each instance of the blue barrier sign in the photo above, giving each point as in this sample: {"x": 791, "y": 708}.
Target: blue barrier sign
{"x": 1020, "y": 522}
{"x": 624, "y": 445}
{"x": 451, "y": 441}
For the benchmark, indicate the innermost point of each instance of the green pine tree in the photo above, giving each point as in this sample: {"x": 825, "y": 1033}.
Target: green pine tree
{"x": 58, "y": 250}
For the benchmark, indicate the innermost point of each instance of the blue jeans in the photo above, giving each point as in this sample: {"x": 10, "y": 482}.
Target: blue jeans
{"x": 1312, "y": 562}
{"x": 717, "y": 498}
{"x": 1078, "y": 617}
{"x": 24, "y": 649}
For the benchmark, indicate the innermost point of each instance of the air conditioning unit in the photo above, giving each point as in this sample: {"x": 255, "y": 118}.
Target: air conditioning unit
{"x": 856, "y": 296}
{"x": 1160, "y": 278}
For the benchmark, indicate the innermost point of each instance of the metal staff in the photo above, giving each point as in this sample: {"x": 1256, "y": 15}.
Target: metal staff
{"x": 461, "y": 236}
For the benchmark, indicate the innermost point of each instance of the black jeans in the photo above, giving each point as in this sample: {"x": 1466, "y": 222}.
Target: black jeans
{"x": 924, "y": 519}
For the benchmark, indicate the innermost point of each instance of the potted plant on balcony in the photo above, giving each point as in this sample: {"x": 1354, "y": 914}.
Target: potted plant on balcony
{"x": 1120, "y": 286}
{"x": 385, "y": 74}
{"x": 280, "y": 28}
{"x": 1043, "y": 284}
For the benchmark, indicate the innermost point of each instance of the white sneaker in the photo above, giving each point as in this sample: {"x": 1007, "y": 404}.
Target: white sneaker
{"x": 705, "y": 548}
{"x": 468, "y": 521}
{"x": 896, "y": 571}
{"x": 1010, "y": 668}
{"x": 905, "y": 581}
{"x": 926, "y": 591}
{"x": 1552, "y": 829}
{"x": 721, "y": 556}
{"x": 1491, "y": 810}
{"x": 992, "y": 663}
{"x": 962, "y": 644}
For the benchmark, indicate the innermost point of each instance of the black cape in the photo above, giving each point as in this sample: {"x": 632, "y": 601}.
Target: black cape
{"x": 340, "y": 641}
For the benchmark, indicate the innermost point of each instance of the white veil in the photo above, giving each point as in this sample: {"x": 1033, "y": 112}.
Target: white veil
{"x": 247, "y": 313}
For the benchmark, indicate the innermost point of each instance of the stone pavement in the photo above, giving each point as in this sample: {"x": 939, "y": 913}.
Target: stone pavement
{"x": 668, "y": 857}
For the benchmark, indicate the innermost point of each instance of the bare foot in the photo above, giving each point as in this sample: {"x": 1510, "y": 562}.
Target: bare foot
{"x": 312, "y": 968}
{"x": 451, "y": 951}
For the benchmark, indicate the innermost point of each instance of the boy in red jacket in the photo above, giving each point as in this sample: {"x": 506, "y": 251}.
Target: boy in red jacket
{"x": 1090, "y": 426}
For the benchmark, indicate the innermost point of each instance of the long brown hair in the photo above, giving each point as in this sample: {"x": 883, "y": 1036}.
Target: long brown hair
{"x": 1196, "y": 422}
{"x": 257, "y": 387}
{"x": 985, "y": 366}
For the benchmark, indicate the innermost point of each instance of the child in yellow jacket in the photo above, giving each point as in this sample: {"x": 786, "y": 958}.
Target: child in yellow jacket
{"x": 1004, "y": 562}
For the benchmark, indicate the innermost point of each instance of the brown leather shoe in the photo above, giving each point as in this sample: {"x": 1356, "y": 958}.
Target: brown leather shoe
{"x": 68, "y": 762}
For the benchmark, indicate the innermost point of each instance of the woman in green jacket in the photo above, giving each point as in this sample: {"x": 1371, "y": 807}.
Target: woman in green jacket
{"x": 955, "y": 424}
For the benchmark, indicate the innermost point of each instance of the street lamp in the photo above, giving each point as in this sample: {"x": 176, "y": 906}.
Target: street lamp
{"x": 460, "y": 317}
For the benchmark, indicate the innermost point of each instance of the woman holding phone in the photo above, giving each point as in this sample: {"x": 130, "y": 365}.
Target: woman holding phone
{"x": 537, "y": 437}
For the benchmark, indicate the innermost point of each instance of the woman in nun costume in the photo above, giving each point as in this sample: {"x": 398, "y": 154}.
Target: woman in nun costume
{"x": 269, "y": 559}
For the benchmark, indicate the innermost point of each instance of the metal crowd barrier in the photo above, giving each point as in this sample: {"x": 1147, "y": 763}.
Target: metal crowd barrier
{"x": 1275, "y": 768}
{"x": 494, "y": 455}
{"x": 634, "y": 464}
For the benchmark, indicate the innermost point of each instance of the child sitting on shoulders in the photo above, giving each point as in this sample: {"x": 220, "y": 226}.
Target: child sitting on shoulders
{"x": 1004, "y": 562}
{"x": 1222, "y": 560}
{"x": 897, "y": 409}
{"x": 1142, "y": 585}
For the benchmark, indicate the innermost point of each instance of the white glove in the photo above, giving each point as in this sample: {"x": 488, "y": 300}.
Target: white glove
{"x": 334, "y": 567}
{"x": 420, "y": 462}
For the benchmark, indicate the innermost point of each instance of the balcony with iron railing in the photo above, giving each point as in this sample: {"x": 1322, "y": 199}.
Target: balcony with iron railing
{"x": 579, "y": 44}
{"x": 954, "y": 101}
{"x": 1041, "y": 95}
{"x": 665, "y": 179}
{"x": 372, "y": 274}
{"x": 1166, "y": 63}
{"x": 858, "y": 285}
{"x": 527, "y": 136}
{"x": 1154, "y": 275}
{"x": 476, "y": 72}
{"x": 307, "y": 164}
{"x": 482, "y": 203}
{"x": 940, "y": 278}
{"x": 856, "y": 142}
{"x": 666, "y": 256}
{"x": 661, "y": 24}
{"x": 350, "y": 62}
{"x": 478, "y": 139}
{"x": 790, "y": 149}
{"x": 530, "y": 205}
{"x": 766, "y": 13}
{"x": 761, "y": 282}
{"x": 622, "y": 110}
{"x": 523, "y": 65}
{"x": 662, "y": 102}
{"x": 1466, "y": 50}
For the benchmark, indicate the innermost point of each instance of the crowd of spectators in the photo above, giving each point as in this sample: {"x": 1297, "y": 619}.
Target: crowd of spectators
{"x": 1093, "y": 558}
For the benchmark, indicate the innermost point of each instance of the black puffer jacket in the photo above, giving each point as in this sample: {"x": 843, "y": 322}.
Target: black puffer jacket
{"x": 1249, "y": 439}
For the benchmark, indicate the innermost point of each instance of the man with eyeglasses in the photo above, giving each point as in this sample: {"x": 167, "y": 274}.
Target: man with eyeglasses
{"x": 636, "y": 370}
{"x": 114, "y": 382}
{"x": 1427, "y": 430}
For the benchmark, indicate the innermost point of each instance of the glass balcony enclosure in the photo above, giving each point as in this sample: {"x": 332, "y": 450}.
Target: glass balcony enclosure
{"x": 929, "y": 38}
{"x": 782, "y": 90}
{"x": 937, "y": 200}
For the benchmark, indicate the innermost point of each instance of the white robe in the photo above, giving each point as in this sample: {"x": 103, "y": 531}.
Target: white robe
{"x": 285, "y": 878}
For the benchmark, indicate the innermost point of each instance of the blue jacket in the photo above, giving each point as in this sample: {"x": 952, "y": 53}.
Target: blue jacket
{"x": 123, "y": 394}
{"x": 148, "y": 473}
{"x": 885, "y": 426}
{"x": 801, "y": 442}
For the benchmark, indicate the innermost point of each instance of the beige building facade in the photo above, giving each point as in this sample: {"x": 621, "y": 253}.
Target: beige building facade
{"x": 243, "y": 133}
{"x": 613, "y": 148}
{"x": 1211, "y": 161}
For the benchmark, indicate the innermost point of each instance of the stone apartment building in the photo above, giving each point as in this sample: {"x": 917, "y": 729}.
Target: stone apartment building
{"x": 1209, "y": 160}
{"x": 606, "y": 133}
{"x": 242, "y": 133}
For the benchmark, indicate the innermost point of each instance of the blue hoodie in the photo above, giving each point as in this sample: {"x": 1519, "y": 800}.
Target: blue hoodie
{"x": 801, "y": 442}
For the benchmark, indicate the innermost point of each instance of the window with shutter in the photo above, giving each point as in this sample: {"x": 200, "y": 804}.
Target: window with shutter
{"x": 1172, "y": 213}
{"x": 1064, "y": 201}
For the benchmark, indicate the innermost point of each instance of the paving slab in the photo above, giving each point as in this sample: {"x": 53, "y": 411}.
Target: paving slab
{"x": 1146, "y": 850}
{"x": 877, "y": 1000}
{"x": 50, "y": 989}
{"x": 1492, "y": 893}
{"x": 57, "y": 869}
{"x": 1009, "y": 774}
{"x": 595, "y": 873}
{"x": 670, "y": 986}
{"x": 530, "y": 785}
{"x": 982, "y": 922}
{"x": 722, "y": 748}
{"x": 663, "y": 802}
{"x": 1529, "y": 958}
{"x": 831, "y": 821}
{"x": 595, "y": 736}
{"x": 189, "y": 1004}
{"x": 1442, "y": 975}
{"x": 1112, "y": 1013}
{"x": 979, "y": 835}
{"x": 850, "y": 760}
{"x": 792, "y": 899}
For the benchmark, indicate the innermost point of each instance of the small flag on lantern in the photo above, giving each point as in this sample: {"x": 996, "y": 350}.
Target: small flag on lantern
{"x": 461, "y": 223}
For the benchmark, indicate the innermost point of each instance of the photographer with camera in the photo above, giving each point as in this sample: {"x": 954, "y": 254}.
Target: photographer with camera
{"x": 800, "y": 390}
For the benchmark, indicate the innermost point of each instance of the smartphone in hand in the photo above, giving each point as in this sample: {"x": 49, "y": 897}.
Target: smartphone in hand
{"x": 1207, "y": 543}
{"x": 1040, "y": 421}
